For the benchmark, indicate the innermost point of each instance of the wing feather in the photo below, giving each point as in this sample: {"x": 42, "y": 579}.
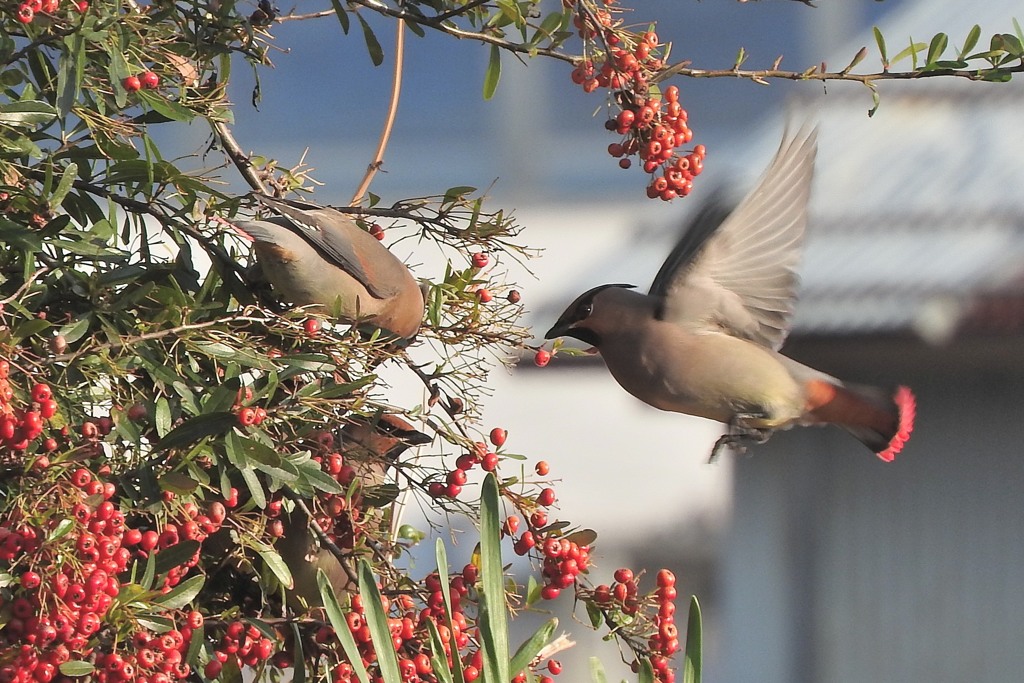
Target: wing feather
{"x": 737, "y": 273}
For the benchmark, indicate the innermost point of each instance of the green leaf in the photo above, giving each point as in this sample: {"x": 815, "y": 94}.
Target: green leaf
{"x": 936, "y": 47}
{"x": 493, "y": 619}
{"x": 61, "y": 530}
{"x": 693, "y": 657}
{"x": 195, "y": 429}
{"x": 74, "y": 331}
{"x": 69, "y": 73}
{"x": 182, "y": 594}
{"x": 493, "y": 73}
{"x": 76, "y": 667}
{"x": 299, "y": 669}
{"x": 597, "y": 673}
{"x": 910, "y": 50}
{"x": 372, "y": 46}
{"x": 341, "y": 14}
{"x": 175, "y": 556}
{"x": 646, "y": 673}
{"x": 442, "y": 574}
{"x": 27, "y": 113}
{"x": 377, "y": 620}
{"x": 529, "y": 649}
{"x": 880, "y": 40}
{"x": 255, "y": 487}
{"x": 972, "y": 39}
{"x": 276, "y": 563}
{"x": 337, "y": 619}
{"x": 437, "y": 656}
{"x": 177, "y": 482}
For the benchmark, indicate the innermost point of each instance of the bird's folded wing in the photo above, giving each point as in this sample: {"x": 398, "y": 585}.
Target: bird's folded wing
{"x": 738, "y": 275}
{"x": 341, "y": 242}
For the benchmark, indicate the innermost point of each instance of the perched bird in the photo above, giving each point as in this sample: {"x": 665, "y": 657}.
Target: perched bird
{"x": 705, "y": 339}
{"x": 317, "y": 255}
{"x": 370, "y": 447}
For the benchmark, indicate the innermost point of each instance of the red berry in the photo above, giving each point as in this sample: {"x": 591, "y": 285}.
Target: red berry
{"x": 666, "y": 578}
{"x": 546, "y": 497}
{"x": 25, "y": 14}
{"x": 554, "y": 667}
{"x": 377, "y": 231}
{"x": 132, "y": 83}
{"x": 30, "y": 580}
{"x": 542, "y": 468}
{"x": 490, "y": 462}
{"x": 457, "y": 477}
{"x": 550, "y": 592}
{"x": 312, "y": 327}
{"x": 246, "y": 417}
{"x": 149, "y": 80}
{"x": 484, "y": 294}
{"x": 480, "y": 260}
{"x": 498, "y": 436}
{"x": 623, "y": 575}
{"x": 542, "y": 358}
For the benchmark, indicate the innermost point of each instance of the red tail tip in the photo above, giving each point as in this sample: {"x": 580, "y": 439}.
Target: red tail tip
{"x": 907, "y": 405}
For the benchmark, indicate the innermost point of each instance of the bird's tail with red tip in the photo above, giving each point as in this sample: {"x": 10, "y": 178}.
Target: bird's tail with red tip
{"x": 881, "y": 421}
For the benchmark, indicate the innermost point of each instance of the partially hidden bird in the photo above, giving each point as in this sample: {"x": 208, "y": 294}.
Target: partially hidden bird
{"x": 705, "y": 339}
{"x": 371, "y": 446}
{"x": 318, "y": 255}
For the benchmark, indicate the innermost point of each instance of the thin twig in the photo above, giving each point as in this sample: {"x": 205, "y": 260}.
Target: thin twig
{"x": 389, "y": 121}
{"x": 238, "y": 157}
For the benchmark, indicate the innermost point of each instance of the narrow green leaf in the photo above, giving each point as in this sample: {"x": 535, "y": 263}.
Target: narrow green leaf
{"x": 377, "y": 620}
{"x": 972, "y": 39}
{"x": 61, "y": 530}
{"x": 182, "y": 594}
{"x": 493, "y": 73}
{"x": 299, "y": 668}
{"x": 597, "y": 673}
{"x": 693, "y": 657}
{"x": 493, "y": 619}
{"x": 529, "y": 649}
{"x": 342, "y": 15}
{"x": 195, "y": 429}
{"x": 255, "y": 487}
{"x": 880, "y": 40}
{"x": 27, "y": 113}
{"x": 646, "y": 673}
{"x": 276, "y": 563}
{"x": 442, "y": 574}
{"x": 337, "y": 618}
{"x": 175, "y": 556}
{"x": 911, "y": 50}
{"x": 72, "y": 332}
{"x": 162, "y": 417}
{"x": 372, "y": 46}
{"x": 76, "y": 667}
{"x": 437, "y": 656}
{"x": 936, "y": 47}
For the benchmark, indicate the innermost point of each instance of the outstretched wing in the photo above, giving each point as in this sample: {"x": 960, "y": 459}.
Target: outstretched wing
{"x": 737, "y": 273}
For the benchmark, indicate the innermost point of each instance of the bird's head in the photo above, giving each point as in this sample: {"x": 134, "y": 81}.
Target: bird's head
{"x": 584, "y": 317}
{"x": 385, "y": 435}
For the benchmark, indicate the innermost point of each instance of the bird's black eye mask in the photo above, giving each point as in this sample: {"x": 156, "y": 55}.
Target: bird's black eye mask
{"x": 582, "y": 310}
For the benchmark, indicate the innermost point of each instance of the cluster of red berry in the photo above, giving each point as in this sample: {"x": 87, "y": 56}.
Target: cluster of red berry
{"x": 249, "y": 416}
{"x": 144, "y": 79}
{"x": 654, "y": 129}
{"x": 68, "y": 584}
{"x": 30, "y": 9}
{"x": 623, "y": 596}
{"x": 246, "y": 645}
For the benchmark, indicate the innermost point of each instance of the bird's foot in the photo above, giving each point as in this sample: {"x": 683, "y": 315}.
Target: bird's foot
{"x": 738, "y": 436}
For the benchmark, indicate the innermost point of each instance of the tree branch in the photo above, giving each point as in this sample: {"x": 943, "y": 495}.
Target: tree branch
{"x": 389, "y": 122}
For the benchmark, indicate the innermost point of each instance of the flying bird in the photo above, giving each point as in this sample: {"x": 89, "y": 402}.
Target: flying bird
{"x": 371, "y": 446}
{"x": 317, "y": 255}
{"x": 705, "y": 339}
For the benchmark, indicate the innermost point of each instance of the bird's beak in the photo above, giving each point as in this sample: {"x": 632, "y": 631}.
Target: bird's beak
{"x": 413, "y": 437}
{"x": 559, "y": 330}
